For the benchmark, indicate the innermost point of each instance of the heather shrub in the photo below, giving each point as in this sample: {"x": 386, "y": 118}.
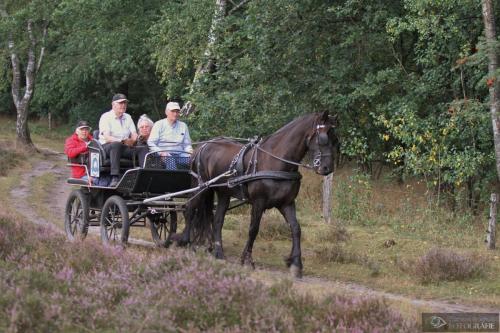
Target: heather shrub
{"x": 444, "y": 265}
{"x": 51, "y": 285}
{"x": 8, "y": 159}
{"x": 339, "y": 313}
{"x": 336, "y": 253}
{"x": 329, "y": 253}
{"x": 334, "y": 233}
{"x": 274, "y": 229}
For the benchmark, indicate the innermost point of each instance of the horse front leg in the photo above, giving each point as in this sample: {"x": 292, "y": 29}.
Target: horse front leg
{"x": 220, "y": 212}
{"x": 294, "y": 261}
{"x": 246, "y": 256}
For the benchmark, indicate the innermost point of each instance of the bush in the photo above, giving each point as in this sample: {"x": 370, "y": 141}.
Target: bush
{"x": 444, "y": 265}
{"x": 8, "y": 159}
{"x": 274, "y": 228}
{"x": 334, "y": 234}
{"x": 336, "y": 253}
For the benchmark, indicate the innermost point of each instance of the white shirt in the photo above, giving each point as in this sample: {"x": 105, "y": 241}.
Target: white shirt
{"x": 170, "y": 137}
{"x": 119, "y": 128}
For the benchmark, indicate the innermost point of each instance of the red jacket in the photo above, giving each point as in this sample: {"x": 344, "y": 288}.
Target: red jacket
{"x": 74, "y": 147}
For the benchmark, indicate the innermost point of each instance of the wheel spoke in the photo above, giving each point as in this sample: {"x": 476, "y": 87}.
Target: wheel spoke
{"x": 112, "y": 223}
{"x": 75, "y": 216}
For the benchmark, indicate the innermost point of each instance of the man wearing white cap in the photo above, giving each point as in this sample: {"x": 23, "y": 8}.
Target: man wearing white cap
{"x": 170, "y": 133}
{"x": 117, "y": 134}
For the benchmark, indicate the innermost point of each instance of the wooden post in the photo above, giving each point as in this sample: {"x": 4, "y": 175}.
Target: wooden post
{"x": 490, "y": 237}
{"x": 327, "y": 198}
{"x": 49, "y": 116}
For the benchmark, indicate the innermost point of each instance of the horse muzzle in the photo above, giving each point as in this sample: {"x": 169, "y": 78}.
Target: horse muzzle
{"x": 324, "y": 170}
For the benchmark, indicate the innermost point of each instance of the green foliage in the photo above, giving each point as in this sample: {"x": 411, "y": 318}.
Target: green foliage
{"x": 179, "y": 38}
{"x": 353, "y": 198}
{"x": 407, "y": 77}
{"x": 90, "y": 60}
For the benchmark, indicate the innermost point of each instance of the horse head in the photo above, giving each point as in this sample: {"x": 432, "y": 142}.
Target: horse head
{"x": 323, "y": 143}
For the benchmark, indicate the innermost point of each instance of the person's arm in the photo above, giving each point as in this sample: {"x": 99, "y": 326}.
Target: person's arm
{"x": 154, "y": 137}
{"x": 73, "y": 148}
{"x": 188, "y": 148}
{"x": 105, "y": 130}
{"x": 132, "y": 139}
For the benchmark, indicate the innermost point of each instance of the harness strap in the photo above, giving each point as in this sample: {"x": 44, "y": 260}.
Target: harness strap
{"x": 275, "y": 175}
{"x": 307, "y": 166}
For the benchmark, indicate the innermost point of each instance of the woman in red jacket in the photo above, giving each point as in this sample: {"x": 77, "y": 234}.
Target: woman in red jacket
{"x": 77, "y": 144}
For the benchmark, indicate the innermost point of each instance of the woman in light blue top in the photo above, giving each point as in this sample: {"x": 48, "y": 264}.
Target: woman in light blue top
{"x": 171, "y": 134}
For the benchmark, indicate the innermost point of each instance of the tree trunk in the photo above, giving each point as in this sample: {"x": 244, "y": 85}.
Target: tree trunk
{"x": 22, "y": 100}
{"x": 491, "y": 232}
{"x": 208, "y": 61}
{"x": 489, "y": 28}
{"x": 490, "y": 32}
{"x": 327, "y": 198}
{"x": 23, "y": 138}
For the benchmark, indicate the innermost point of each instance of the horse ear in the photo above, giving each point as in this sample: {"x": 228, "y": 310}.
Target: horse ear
{"x": 324, "y": 116}
{"x": 334, "y": 120}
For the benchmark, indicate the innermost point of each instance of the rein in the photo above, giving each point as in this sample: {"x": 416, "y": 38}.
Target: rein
{"x": 307, "y": 166}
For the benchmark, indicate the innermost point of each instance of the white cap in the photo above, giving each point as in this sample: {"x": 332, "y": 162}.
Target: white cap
{"x": 173, "y": 106}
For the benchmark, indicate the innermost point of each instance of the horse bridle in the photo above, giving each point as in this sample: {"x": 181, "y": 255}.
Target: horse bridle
{"x": 317, "y": 157}
{"x": 320, "y": 141}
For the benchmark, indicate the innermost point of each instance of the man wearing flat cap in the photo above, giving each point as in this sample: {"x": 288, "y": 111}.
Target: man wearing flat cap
{"x": 76, "y": 145}
{"x": 117, "y": 134}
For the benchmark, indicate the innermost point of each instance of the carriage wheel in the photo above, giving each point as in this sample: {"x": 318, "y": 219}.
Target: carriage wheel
{"x": 114, "y": 221}
{"x": 162, "y": 227}
{"x": 76, "y": 216}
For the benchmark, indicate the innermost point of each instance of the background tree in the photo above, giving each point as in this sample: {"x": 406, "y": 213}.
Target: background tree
{"x": 492, "y": 82}
{"x": 91, "y": 59}
{"x": 24, "y": 28}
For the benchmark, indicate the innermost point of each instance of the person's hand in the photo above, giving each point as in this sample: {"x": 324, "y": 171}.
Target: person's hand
{"x": 129, "y": 142}
{"x": 164, "y": 153}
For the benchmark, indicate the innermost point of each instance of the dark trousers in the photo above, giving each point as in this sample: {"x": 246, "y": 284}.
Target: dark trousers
{"x": 141, "y": 151}
{"x": 115, "y": 151}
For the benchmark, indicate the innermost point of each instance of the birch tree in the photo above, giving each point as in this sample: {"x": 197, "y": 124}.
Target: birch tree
{"x": 26, "y": 49}
{"x": 491, "y": 42}
{"x": 490, "y": 32}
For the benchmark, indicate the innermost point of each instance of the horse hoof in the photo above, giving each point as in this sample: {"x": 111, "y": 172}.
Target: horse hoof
{"x": 288, "y": 261}
{"x": 247, "y": 261}
{"x": 296, "y": 271}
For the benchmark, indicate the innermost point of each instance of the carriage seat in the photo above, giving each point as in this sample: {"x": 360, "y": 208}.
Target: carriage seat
{"x": 104, "y": 162}
{"x": 77, "y": 181}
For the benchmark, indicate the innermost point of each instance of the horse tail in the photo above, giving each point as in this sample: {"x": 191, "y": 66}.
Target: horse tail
{"x": 200, "y": 218}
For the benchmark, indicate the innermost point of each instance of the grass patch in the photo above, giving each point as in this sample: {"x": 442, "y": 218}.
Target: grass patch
{"x": 440, "y": 265}
{"x": 274, "y": 227}
{"x": 9, "y": 158}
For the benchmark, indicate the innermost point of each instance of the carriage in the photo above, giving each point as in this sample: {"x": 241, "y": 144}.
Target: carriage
{"x": 151, "y": 195}
{"x": 263, "y": 173}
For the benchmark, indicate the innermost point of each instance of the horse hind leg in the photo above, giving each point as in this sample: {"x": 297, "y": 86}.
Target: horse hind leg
{"x": 220, "y": 212}
{"x": 246, "y": 256}
{"x": 294, "y": 261}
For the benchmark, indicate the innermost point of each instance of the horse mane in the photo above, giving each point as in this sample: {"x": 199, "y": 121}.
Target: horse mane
{"x": 286, "y": 128}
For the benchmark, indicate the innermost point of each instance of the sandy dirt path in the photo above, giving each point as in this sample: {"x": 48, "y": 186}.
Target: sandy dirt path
{"x": 317, "y": 287}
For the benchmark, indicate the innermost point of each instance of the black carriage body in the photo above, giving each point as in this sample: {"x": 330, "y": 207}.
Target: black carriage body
{"x": 139, "y": 184}
{"x": 161, "y": 175}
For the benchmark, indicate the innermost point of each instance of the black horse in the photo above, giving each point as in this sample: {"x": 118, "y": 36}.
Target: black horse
{"x": 265, "y": 174}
